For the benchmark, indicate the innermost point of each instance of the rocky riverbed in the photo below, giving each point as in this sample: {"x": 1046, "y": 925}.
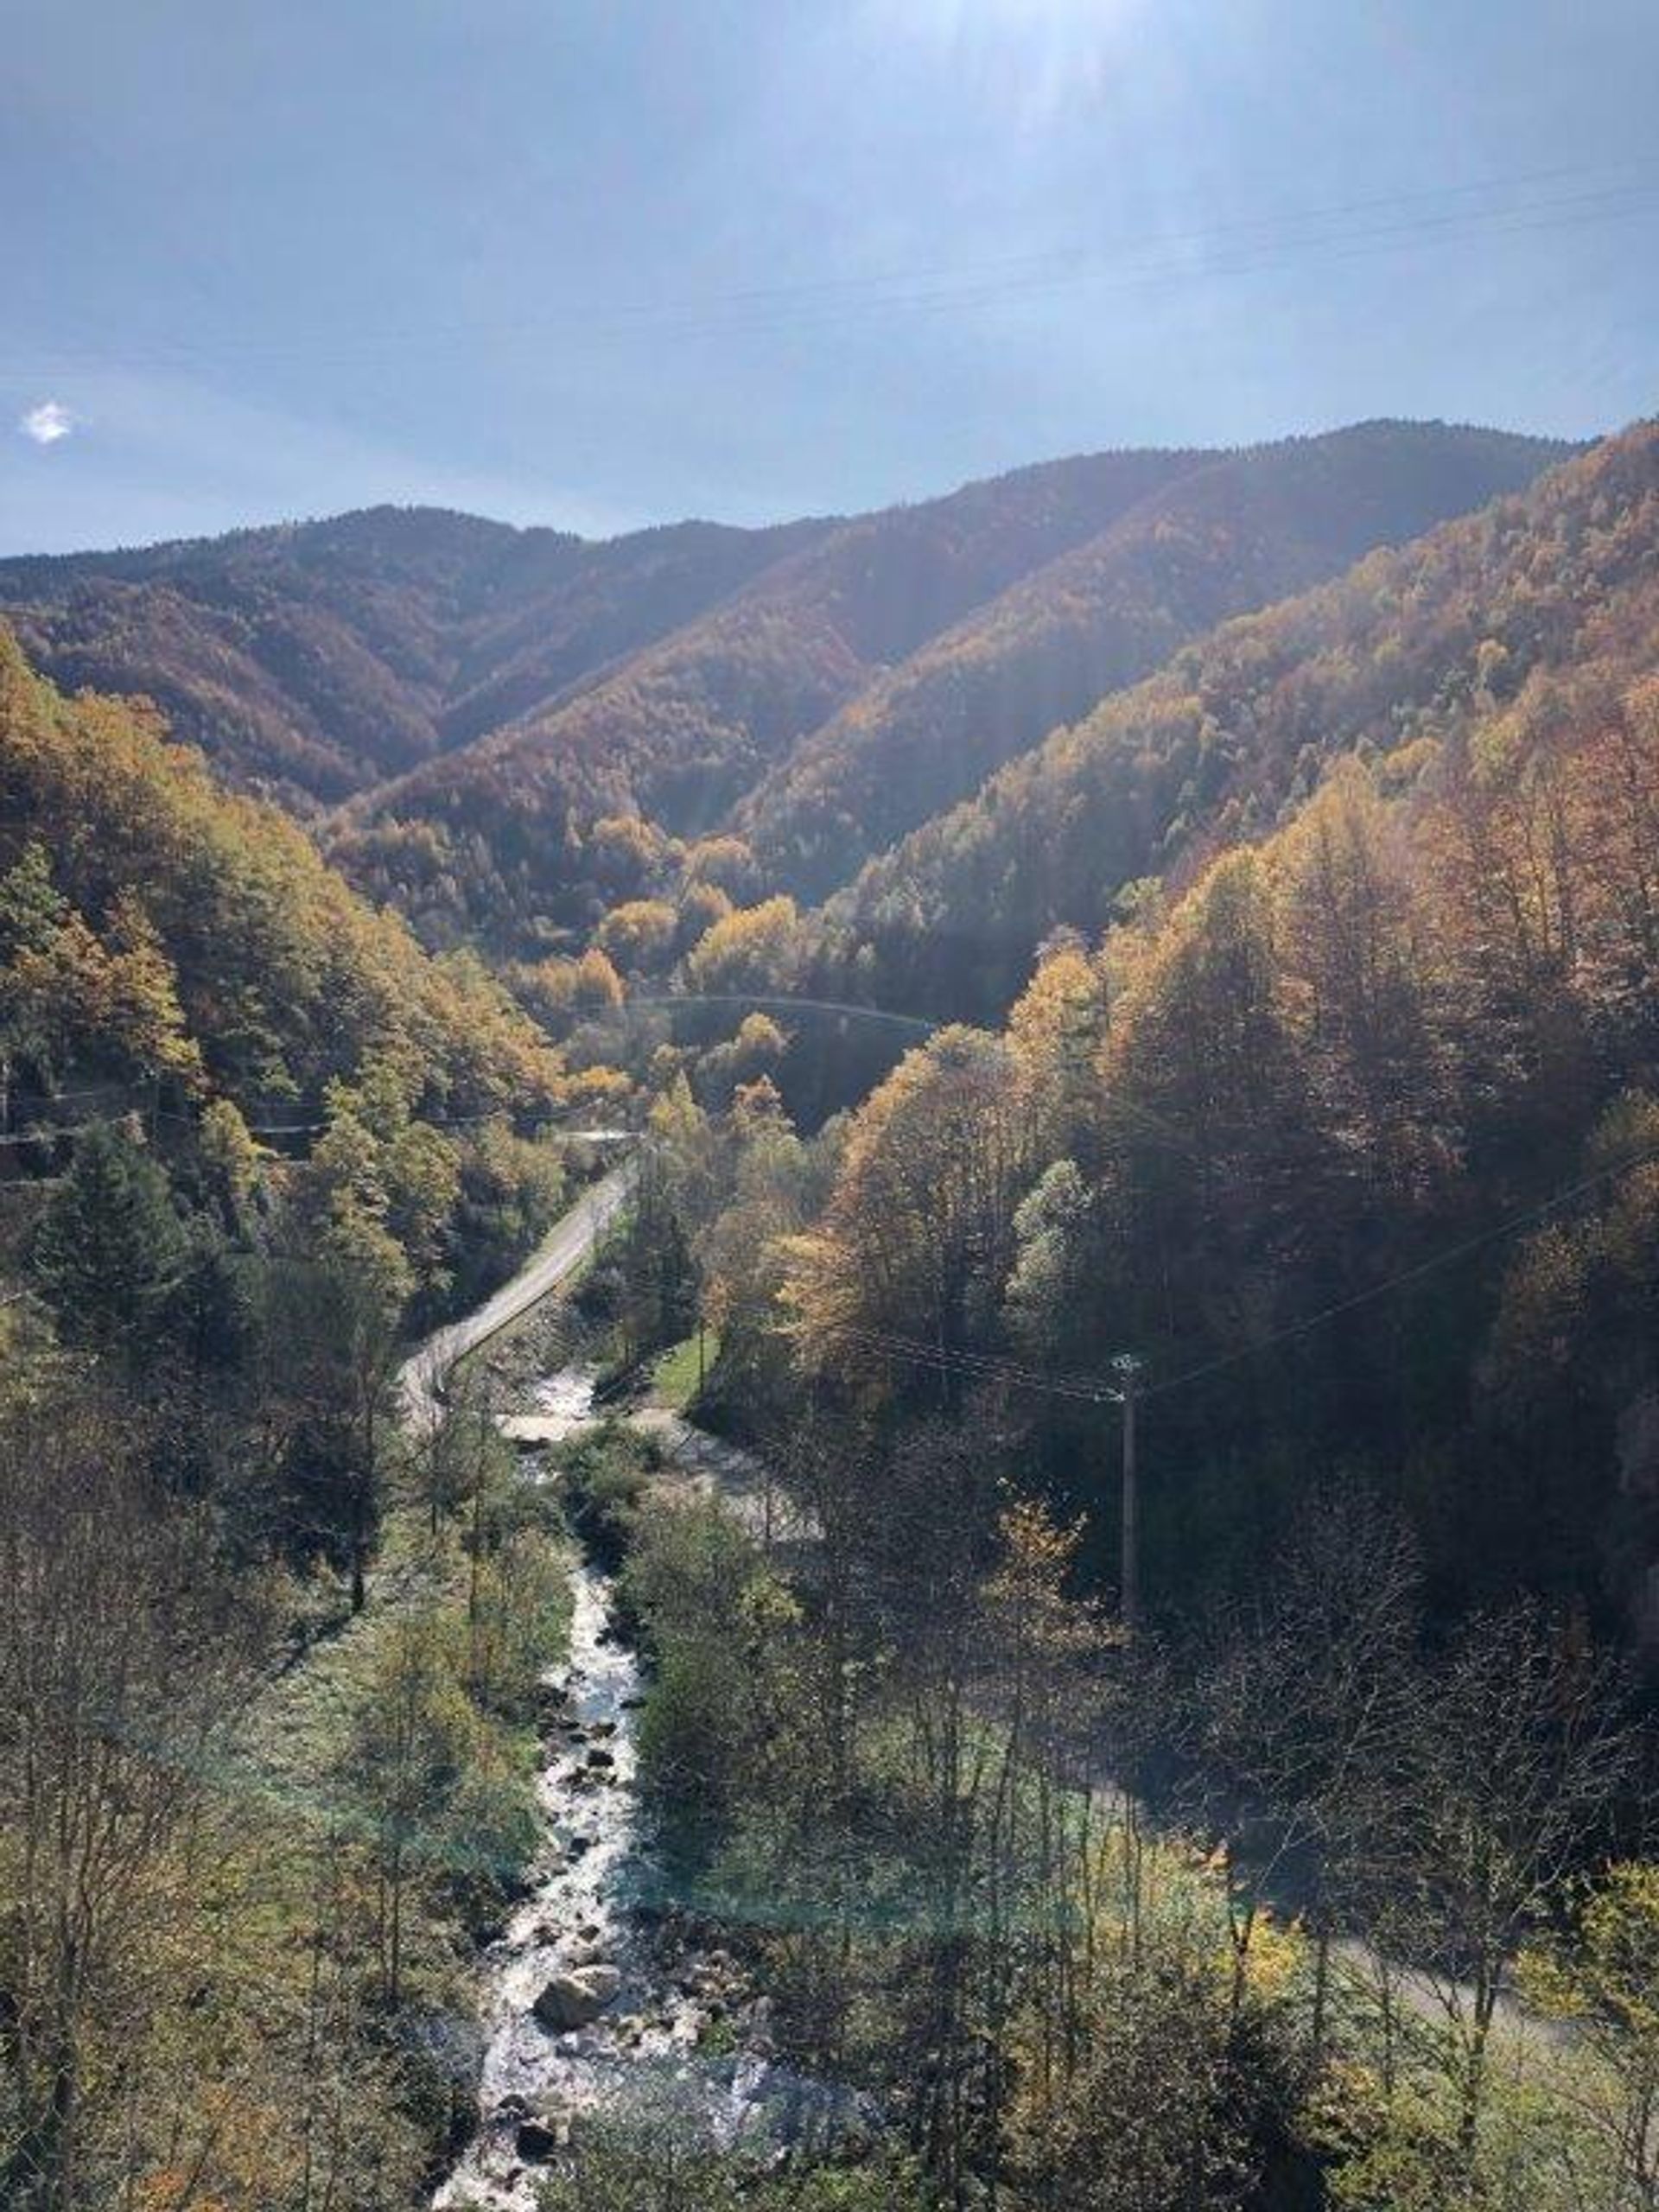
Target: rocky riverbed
{"x": 595, "y": 2001}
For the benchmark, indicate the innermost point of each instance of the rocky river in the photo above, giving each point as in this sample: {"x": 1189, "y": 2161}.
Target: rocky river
{"x": 593, "y": 2004}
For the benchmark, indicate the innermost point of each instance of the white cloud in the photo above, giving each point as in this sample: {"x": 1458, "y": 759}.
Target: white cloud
{"x": 48, "y": 422}
{"x": 181, "y": 459}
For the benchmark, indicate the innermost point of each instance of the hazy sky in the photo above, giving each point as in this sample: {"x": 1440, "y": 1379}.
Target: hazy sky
{"x": 605, "y": 262}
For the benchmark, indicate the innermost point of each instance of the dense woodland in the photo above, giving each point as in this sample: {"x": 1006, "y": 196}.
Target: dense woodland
{"x": 1244, "y": 530}
{"x": 855, "y": 689}
{"x": 1278, "y": 1002}
{"x": 1423, "y": 642}
{"x": 252, "y": 1135}
{"x": 485, "y": 703}
{"x": 316, "y": 658}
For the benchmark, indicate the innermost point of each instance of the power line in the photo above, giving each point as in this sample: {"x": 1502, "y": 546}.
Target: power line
{"x": 1423, "y": 1268}
{"x": 1151, "y": 1123}
{"x": 43, "y": 1131}
{"x": 982, "y": 1366}
{"x": 668, "y": 1001}
{"x": 1245, "y": 247}
{"x": 1098, "y": 1390}
{"x": 1057, "y": 261}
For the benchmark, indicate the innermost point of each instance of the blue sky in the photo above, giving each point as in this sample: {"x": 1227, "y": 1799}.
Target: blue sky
{"x": 600, "y": 263}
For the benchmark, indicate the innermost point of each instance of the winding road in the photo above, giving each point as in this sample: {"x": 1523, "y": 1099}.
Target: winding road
{"x": 572, "y": 1238}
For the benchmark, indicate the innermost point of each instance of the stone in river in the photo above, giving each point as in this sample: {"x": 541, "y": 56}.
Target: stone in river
{"x": 535, "y": 2141}
{"x": 574, "y": 1999}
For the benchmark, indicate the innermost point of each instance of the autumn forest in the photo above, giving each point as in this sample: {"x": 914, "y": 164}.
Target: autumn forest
{"x": 829, "y": 1353}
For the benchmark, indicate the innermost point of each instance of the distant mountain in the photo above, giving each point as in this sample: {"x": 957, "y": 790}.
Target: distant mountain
{"x": 315, "y": 659}
{"x": 493, "y": 837}
{"x": 876, "y": 675}
{"x": 1239, "y": 533}
{"x": 466, "y": 710}
{"x": 1563, "y": 579}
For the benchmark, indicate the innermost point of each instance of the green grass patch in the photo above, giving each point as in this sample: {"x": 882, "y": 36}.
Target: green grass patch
{"x": 676, "y": 1374}
{"x": 301, "y": 1721}
{"x": 299, "y": 1755}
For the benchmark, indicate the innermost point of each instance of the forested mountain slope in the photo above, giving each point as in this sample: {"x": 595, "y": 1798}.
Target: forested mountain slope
{"x": 1355, "y": 1140}
{"x": 315, "y": 659}
{"x": 477, "y": 700}
{"x": 1332, "y": 1092}
{"x": 159, "y": 934}
{"x": 1417, "y": 641}
{"x": 493, "y": 838}
{"x": 1250, "y": 528}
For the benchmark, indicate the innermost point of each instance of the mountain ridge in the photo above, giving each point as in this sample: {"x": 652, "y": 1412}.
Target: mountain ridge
{"x": 1205, "y": 750}
{"x": 310, "y": 660}
{"x": 458, "y": 704}
{"x": 1101, "y": 614}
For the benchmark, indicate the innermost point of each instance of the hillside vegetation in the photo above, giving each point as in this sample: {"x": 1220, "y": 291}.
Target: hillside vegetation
{"x": 494, "y": 839}
{"x": 1347, "y": 1127}
{"x": 519, "y": 731}
{"x": 854, "y": 689}
{"x": 1246, "y": 530}
{"x": 156, "y": 929}
{"x": 314, "y": 660}
{"x": 1419, "y": 642}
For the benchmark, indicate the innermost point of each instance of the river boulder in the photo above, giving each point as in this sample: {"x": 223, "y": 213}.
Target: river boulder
{"x": 537, "y": 2140}
{"x": 573, "y": 1999}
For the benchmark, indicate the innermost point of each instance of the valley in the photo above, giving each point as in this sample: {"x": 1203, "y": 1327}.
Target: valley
{"x": 830, "y": 1107}
{"x": 578, "y": 1162}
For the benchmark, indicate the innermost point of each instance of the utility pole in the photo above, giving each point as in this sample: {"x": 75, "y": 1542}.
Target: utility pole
{"x": 1127, "y": 1367}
